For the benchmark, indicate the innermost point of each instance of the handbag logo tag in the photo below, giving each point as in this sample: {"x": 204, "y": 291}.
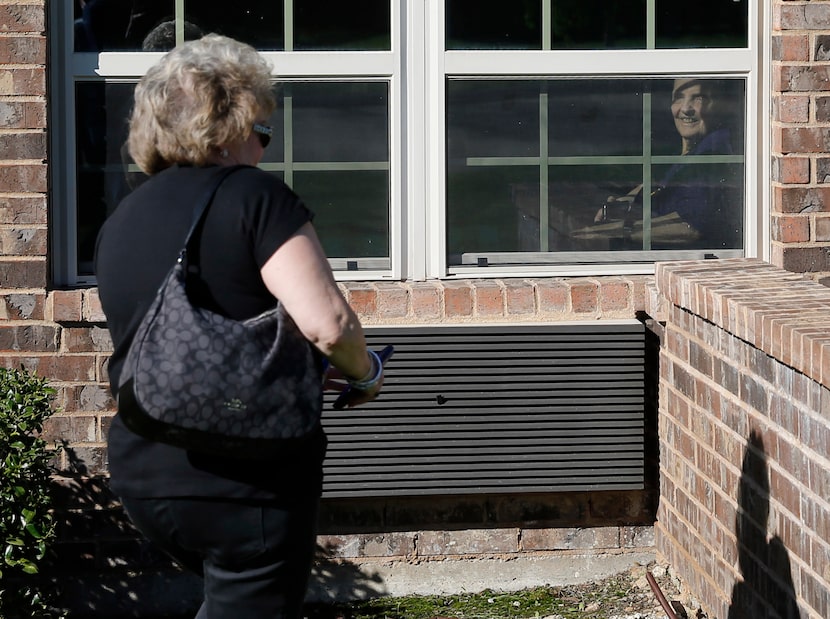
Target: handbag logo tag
{"x": 235, "y": 405}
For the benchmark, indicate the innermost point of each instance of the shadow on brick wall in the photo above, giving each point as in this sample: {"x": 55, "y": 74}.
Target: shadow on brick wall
{"x": 102, "y": 567}
{"x": 767, "y": 588}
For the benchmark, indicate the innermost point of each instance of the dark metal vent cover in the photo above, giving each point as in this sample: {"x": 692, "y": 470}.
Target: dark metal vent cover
{"x": 496, "y": 409}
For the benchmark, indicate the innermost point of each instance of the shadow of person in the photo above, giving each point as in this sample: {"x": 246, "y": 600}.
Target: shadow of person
{"x": 767, "y": 588}
{"x": 100, "y": 566}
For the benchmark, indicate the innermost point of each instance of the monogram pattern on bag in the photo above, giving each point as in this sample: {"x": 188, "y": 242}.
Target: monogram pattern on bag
{"x": 195, "y": 371}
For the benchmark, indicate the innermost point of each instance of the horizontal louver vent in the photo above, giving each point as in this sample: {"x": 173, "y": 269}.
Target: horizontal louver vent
{"x": 495, "y": 409}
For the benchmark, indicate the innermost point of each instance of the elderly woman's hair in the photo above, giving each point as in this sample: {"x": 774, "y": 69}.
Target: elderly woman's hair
{"x": 200, "y": 95}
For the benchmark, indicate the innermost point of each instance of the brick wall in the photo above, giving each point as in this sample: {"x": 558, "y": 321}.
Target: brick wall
{"x": 744, "y": 430}
{"x": 800, "y": 190}
{"x": 98, "y": 548}
{"x": 61, "y": 335}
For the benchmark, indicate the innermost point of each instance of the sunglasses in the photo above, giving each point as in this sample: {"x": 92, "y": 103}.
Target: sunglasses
{"x": 264, "y": 133}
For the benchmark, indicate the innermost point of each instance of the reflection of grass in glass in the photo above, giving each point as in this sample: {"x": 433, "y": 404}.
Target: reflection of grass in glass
{"x": 704, "y": 41}
{"x": 481, "y": 213}
{"x": 310, "y": 42}
{"x": 352, "y": 211}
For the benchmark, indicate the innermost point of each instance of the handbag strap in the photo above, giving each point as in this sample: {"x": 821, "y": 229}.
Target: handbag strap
{"x": 207, "y": 197}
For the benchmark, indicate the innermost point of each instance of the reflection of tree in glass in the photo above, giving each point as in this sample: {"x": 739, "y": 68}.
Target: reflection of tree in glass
{"x": 712, "y": 23}
{"x": 493, "y": 24}
{"x": 598, "y": 24}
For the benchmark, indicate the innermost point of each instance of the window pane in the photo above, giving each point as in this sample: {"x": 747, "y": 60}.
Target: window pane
{"x": 340, "y": 121}
{"x": 352, "y": 211}
{"x": 337, "y": 135}
{"x": 256, "y": 22}
{"x": 118, "y": 25}
{"x": 338, "y": 25}
{"x": 101, "y": 182}
{"x": 712, "y": 23}
{"x": 598, "y": 24}
{"x": 563, "y": 166}
{"x": 494, "y": 24}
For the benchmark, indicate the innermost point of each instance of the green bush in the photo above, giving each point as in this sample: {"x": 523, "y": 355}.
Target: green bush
{"x": 27, "y": 524}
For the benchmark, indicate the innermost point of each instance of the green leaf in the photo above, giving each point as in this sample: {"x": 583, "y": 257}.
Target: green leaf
{"x": 30, "y": 568}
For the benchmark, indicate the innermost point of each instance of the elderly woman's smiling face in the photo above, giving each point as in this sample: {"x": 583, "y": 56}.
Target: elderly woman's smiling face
{"x": 691, "y": 108}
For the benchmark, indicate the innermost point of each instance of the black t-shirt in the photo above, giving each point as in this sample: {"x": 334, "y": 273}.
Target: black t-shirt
{"x": 253, "y": 213}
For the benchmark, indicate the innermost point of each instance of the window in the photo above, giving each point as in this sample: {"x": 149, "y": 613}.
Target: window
{"x": 451, "y": 137}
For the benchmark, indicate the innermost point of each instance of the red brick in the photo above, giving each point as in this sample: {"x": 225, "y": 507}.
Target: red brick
{"x": 32, "y": 177}
{"x": 489, "y": 299}
{"x": 803, "y": 139}
{"x": 822, "y": 229}
{"x": 615, "y": 295}
{"x": 791, "y": 47}
{"x": 22, "y": 306}
{"x": 802, "y": 78}
{"x": 85, "y": 339}
{"x": 24, "y": 242}
{"x": 426, "y": 300}
{"x": 801, "y": 199}
{"x": 31, "y": 82}
{"x": 789, "y": 17}
{"x": 23, "y": 211}
{"x": 817, "y": 15}
{"x": 90, "y": 397}
{"x": 458, "y": 299}
{"x": 519, "y": 297}
{"x": 55, "y": 368}
{"x": 22, "y": 18}
{"x": 65, "y": 306}
{"x": 791, "y": 170}
{"x": 23, "y": 146}
{"x": 584, "y": 297}
{"x": 822, "y": 47}
{"x": 790, "y": 229}
{"x": 363, "y": 299}
{"x": 553, "y": 295}
{"x": 23, "y": 274}
{"x": 791, "y": 109}
{"x": 804, "y": 259}
{"x": 28, "y": 338}
{"x": 23, "y": 50}
{"x": 73, "y": 428}
{"x": 392, "y": 300}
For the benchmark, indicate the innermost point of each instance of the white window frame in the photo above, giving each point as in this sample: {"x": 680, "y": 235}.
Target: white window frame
{"x": 416, "y": 69}
{"x": 116, "y": 67}
{"x": 746, "y": 63}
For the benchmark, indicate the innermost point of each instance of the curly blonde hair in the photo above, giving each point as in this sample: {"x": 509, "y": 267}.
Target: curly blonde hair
{"x": 200, "y": 95}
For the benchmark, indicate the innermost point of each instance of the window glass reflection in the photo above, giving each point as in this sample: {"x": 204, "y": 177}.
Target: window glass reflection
{"x": 493, "y": 24}
{"x": 340, "y": 151}
{"x": 598, "y": 24}
{"x": 338, "y": 25}
{"x": 707, "y": 23}
{"x": 101, "y": 112}
{"x": 613, "y": 164}
{"x": 339, "y": 121}
{"x": 150, "y": 25}
{"x": 351, "y": 211}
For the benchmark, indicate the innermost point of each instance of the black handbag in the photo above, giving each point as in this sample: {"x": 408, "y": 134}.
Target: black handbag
{"x": 204, "y": 382}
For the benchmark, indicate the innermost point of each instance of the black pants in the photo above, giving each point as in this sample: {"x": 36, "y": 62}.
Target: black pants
{"x": 255, "y": 556}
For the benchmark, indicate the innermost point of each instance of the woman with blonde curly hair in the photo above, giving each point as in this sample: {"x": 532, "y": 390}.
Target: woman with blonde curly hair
{"x": 247, "y": 527}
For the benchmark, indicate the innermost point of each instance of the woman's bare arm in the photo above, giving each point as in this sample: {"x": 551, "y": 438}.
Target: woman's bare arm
{"x": 299, "y": 275}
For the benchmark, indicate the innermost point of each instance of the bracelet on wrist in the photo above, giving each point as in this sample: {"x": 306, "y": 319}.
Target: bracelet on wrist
{"x": 372, "y": 378}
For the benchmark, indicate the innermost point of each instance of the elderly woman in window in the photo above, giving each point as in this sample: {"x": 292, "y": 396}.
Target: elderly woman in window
{"x": 696, "y": 203}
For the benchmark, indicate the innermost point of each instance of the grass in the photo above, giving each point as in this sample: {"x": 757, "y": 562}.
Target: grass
{"x": 613, "y": 597}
